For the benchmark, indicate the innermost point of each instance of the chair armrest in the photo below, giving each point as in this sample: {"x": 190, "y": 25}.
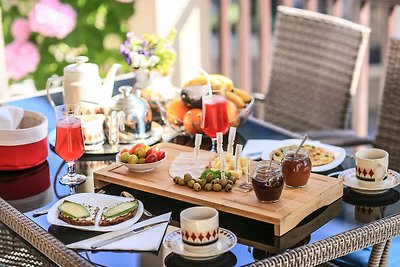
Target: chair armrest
{"x": 44, "y": 242}
{"x": 338, "y": 245}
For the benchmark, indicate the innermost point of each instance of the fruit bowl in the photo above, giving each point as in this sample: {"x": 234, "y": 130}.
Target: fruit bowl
{"x": 191, "y": 124}
{"x": 143, "y": 167}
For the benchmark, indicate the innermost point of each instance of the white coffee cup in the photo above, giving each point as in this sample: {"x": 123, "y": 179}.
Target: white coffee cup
{"x": 199, "y": 229}
{"x": 371, "y": 166}
{"x": 92, "y": 128}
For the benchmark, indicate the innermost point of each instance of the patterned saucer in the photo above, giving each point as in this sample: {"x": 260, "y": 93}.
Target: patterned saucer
{"x": 349, "y": 178}
{"x": 226, "y": 241}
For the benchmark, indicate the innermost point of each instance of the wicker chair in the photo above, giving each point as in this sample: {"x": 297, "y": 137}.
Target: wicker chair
{"x": 315, "y": 72}
{"x": 388, "y": 131}
{"x": 14, "y": 251}
{"x": 378, "y": 233}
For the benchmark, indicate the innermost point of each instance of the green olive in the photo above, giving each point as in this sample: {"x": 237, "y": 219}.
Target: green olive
{"x": 215, "y": 181}
{"x": 217, "y": 187}
{"x": 210, "y": 177}
{"x": 203, "y": 182}
{"x": 187, "y": 177}
{"x": 190, "y": 183}
{"x": 176, "y": 179}
{"x": 230, "y": 182}
{"x": 223, "y": 181}
{"x": 233, "y": 179}
{"x": 197, "y": 187}
{"x": 181, "y": 181}
{"x": 208, "y": 187}
{"x": 228, "y": 188}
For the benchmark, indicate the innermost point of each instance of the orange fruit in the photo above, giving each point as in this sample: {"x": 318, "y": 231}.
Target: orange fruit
{"x": 192, "y": 121}
{"x": 176, "y": 110}
{"x": 233, "y": 113}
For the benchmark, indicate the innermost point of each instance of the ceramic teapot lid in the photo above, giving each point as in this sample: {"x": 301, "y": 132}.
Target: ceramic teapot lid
{"x": 80, "y": 66}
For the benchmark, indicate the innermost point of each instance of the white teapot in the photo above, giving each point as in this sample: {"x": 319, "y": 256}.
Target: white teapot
{"x": 82, "y": 83}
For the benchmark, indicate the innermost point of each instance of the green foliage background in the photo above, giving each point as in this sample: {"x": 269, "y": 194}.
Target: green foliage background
{"x": 96, "y": 20}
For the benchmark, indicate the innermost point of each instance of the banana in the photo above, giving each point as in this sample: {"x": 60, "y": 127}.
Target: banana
{"x": 202, "y": 80}
{"x": 235, "y": 99}
{"x": 225, "y": 80}
{"x": 243, "y": 94}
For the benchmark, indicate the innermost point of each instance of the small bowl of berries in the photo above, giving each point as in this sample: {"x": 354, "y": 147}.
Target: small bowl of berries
{"x": 141, "y": 157}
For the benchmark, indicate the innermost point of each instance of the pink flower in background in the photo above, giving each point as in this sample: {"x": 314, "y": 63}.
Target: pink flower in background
{"x": 20, "y": 29}
{"x": 52, "y": 18}
{"x": 22, "y": 57}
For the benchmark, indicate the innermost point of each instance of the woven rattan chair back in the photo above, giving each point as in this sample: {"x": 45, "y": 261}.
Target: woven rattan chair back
{"x": 388, "y": 132}
{"x": 315, "y": 71}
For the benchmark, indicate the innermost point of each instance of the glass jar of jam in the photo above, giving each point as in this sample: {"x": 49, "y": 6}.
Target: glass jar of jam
{"x": 267, "y": 181}
{"x": 296, "y": 168}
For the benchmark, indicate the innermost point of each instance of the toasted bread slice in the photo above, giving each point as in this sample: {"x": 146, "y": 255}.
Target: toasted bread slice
{"x": 77, "y": 214}
{"x": 118, "y": 213}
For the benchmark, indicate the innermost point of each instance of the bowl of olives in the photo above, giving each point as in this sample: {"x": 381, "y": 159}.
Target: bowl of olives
{"x": 141, "y": 157}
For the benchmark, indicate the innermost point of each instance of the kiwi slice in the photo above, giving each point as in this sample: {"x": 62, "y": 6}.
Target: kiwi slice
{"x": 73, "y": 210}
{"x": 120, "y": 209}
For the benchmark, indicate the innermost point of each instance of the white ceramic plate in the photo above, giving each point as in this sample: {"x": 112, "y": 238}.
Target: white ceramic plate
{"x": 338, "y": 152}
{"x": 145, "y": 167}
{"x": 97, "y": 200}
{"x": 349, "y": 179}
{"x": 227, "y": 240}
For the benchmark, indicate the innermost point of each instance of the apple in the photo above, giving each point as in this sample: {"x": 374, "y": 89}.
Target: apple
{"x": 141, "y": 161}
{"x": 124, "y": 156}
{"x": 160, "y": 154}
{"x": 153, "y": 150}
{"x": 132, "y": 159}
{"x": 132, "y": 150}
{"x": 124, "y": 150}
{"x": 140, "y": 152}
{"x": 151, "y": 158}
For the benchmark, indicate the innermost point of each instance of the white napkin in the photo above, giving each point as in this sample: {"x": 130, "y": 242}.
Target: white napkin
{"x": 10, "y": 117}
{"x": 255, "y": 147}
{"x": 148, "y": 240}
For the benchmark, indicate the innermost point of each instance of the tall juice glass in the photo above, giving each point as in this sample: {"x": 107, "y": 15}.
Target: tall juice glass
{"x": 215, "y": 117}
{"x": 69, "y": 142}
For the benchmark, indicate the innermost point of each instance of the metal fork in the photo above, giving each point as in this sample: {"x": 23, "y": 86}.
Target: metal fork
{"x": 43, "y": 212}
{"x": 129, "y": 195}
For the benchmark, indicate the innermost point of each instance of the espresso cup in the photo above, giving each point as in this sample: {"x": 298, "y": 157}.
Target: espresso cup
{"x": 371, "y": 166}
{"x": 199, "y": 229}
{"x": 92, "y": 128}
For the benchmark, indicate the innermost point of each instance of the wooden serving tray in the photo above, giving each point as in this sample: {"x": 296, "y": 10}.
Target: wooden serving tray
{"x": 293, "y": 206}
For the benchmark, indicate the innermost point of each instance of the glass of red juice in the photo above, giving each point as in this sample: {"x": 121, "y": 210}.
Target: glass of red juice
{"x": 69, "y": 142}
{"x": 215, "y": 117}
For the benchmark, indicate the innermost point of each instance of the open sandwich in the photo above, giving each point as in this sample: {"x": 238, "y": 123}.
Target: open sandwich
{"x": 118, "y": 213}
{"x": 77, "y": 214}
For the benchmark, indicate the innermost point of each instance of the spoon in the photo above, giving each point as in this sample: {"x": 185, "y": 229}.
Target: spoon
{"x": 301, "y": 144}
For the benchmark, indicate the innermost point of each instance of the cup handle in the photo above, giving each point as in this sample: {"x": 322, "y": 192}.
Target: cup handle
{"x": 48, "y": 86}
{"x": 385, "y": 170}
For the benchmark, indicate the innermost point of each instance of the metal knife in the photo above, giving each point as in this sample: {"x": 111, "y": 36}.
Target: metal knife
{"x": 127, "y": 234}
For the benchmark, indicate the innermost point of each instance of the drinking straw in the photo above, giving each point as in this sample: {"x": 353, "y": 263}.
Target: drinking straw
{"x": 208, "y": 80}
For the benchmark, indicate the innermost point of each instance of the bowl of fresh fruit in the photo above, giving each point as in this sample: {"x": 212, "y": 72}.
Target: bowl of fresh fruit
{"x": 185, "y": 112}
{"x": 141, "y": 157}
